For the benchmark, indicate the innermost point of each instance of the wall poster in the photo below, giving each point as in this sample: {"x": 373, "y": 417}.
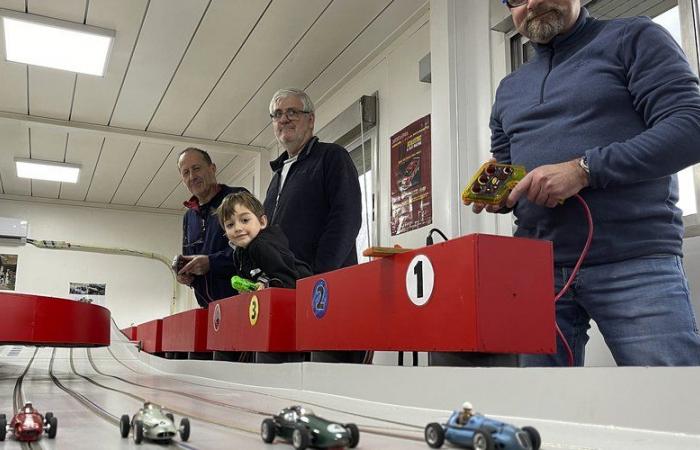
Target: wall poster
{"x": 88, "y": 293}
{"x": 8, "y": 272}
{"x": 411, "y": 188}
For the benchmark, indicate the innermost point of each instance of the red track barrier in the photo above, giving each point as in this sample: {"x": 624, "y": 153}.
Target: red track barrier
{"x": 475, "y": 293}
{"x": 150, "y": 334}
{"x": 57, "y": 322}
{"x": 185, "y": 331}
{"x": 261, "y": 321}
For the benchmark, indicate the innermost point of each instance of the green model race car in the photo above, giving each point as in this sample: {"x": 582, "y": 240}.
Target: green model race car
{"x": 151, "y": 422}
{"x": 303, "y": 429}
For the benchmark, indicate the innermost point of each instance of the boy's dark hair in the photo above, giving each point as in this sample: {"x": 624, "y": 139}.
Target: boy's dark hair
{"x": 204, "y": 154}
{"x": 228, "y": 204}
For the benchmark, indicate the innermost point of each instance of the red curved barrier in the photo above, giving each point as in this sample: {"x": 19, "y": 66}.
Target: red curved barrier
{"x": 37, "y": 320}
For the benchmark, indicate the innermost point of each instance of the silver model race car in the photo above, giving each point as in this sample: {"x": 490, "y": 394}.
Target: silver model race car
{"x": 151, "y": 422}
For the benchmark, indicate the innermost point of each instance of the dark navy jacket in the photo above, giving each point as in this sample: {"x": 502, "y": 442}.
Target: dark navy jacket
{"x": 319, "y": 208}
{"x": 622, "y": 93}
{"x": 202, "y": 235}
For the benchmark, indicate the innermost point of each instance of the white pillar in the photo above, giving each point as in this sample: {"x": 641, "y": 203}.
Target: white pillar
{"x": 461, "y": 105}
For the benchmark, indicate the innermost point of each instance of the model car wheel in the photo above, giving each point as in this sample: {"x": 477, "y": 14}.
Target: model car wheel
{"x": 171, "y": 417}
{"x": 47, "y": 417}
{"x": 535, "y": 438}
{"x": 3, "y": 426}
{"x": 53, "y": 427}
{"x": 138, "y": 431}
{"x": 267, "y": 431}
{"x": 354, "y": 433}
{"x": 124, "y": 425}
{"x": 482, "y": 441}
{"x": 434, "y": 435}
{"x": 184, "y": 429}
{"x": 301, "y": 438}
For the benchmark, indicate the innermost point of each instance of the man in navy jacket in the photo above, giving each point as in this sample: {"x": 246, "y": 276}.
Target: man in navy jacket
{"x": 314, "y": 195}
{"x": 207, "y": 257}
{"x": 609, "y": 110}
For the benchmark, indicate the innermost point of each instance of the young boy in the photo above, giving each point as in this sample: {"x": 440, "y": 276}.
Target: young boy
{"x": 259, "y": 250}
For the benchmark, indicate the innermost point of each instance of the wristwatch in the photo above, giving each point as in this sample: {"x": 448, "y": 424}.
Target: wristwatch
{"x": 583, "y": 162}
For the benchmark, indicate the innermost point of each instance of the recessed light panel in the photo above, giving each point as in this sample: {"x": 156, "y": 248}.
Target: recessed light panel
{"x": 57, "y": 44}
{"x": 47, "y": 170}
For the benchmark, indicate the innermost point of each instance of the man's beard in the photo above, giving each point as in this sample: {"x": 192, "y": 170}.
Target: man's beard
{"x": 544, "y": 27}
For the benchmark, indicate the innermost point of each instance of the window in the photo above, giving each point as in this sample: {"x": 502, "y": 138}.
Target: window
{"x": 687, "y": 199}
{"x": 364, "y": 168}
{"x": 356, "y": 125}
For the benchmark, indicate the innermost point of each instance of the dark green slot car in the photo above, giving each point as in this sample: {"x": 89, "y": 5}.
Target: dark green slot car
{"x": 300, "y": 427}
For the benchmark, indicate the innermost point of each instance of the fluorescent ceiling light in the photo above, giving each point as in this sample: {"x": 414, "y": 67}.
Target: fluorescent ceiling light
{"x": 47, "y": 170}
{"x": 46, "y": 42}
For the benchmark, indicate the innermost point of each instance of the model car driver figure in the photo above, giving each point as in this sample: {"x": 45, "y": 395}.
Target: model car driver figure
{"x": 465, "y": 414}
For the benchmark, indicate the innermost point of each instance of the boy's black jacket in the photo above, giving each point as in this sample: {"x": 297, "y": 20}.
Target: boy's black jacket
{"x": 269, "y": 252}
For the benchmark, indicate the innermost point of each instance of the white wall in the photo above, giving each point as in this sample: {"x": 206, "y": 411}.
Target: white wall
{"x": 402, "y": 100}
{"x": 137, "y": 290}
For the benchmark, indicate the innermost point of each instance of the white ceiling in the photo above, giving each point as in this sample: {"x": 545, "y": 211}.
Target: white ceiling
{"x": 181, "y": 73}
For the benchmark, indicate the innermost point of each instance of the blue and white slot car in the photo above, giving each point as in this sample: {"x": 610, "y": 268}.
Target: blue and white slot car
{"x": 482, "y": 433}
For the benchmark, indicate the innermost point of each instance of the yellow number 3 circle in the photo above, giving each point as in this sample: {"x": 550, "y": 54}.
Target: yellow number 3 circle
{"x": 253, "y": 310}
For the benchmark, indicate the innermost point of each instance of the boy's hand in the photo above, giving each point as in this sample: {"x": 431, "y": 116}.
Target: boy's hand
{"x": 196, "y": 265}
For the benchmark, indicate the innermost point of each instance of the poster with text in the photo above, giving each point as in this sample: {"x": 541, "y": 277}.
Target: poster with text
{"x": 411, "y": 189}
{"x": 88, "y": 293}
{"x": 8, "y": 272}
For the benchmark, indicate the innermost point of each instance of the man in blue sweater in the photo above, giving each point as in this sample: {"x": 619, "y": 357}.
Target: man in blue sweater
{"x": 609, "y": 110}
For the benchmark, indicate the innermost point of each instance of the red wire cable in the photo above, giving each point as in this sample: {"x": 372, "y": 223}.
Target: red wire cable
{"x": 584, "y": 252}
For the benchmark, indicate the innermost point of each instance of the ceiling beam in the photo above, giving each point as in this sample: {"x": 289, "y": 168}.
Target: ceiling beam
{"x": 141, "y": 136}
{"x": 84, "y": 204}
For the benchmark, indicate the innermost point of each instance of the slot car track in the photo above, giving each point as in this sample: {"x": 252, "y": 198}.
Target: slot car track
{"x": 89, "y": 389}
{"x": 400, "y": 433}
{"x": 94, "y": 384}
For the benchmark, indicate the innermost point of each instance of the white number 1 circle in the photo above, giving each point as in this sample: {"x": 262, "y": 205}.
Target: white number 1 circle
{"x": 420, "y": 279}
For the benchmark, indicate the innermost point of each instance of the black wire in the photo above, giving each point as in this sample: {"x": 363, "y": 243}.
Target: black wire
{"x": 429, "y": 239}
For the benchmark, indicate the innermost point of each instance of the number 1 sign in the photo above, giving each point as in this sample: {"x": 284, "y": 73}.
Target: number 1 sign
{"x": 420, "y": 279}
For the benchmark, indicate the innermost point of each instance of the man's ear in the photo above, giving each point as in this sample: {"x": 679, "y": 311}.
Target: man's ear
{"x": 263, "y": 221}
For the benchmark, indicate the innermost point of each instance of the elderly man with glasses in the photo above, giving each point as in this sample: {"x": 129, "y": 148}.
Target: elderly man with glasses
{"x": 314, "y": 194}
{"x": 610, "y": 110}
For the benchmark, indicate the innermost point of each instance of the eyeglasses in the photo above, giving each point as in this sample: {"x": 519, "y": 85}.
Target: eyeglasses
{"x": 291, "y": 113}
{"x": 514, "y": 3}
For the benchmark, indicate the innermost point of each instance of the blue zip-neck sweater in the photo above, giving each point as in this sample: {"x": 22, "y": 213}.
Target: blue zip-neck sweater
{"x": 622, "y": 93}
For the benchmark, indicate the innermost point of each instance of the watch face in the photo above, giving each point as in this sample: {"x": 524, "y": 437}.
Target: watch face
{"x": 583, "y": 162}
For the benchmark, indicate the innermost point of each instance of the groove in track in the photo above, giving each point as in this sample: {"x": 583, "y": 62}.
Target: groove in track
{"x": 364, "y": 428}
{"x": 168, "y": 407}
{"x": 92, "y": 406}
{"x": 18, "y": 401}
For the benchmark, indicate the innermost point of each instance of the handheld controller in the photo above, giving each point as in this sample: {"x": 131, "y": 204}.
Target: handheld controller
{"x": 492, "y": 183}
{"x": 243, "y": 285}
{"x": 178, "y": 263}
